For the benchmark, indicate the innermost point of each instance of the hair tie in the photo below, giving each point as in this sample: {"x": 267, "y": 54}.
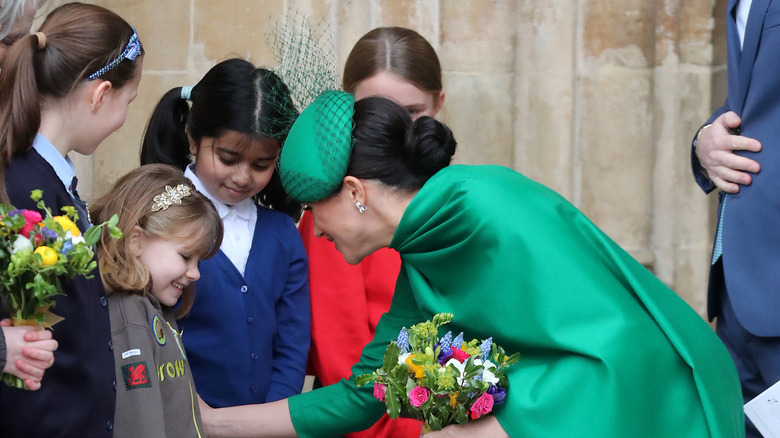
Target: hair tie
{"x": 186, "y": 92}
{"x": 41, "y": 40}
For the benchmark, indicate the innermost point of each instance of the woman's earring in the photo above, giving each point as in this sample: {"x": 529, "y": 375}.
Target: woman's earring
{"x": 361, "y": 208}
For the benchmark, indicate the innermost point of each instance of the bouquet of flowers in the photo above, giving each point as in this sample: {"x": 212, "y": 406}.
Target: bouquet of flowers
{"x": 440, "y": 381}
{"x": 35, "y": 251}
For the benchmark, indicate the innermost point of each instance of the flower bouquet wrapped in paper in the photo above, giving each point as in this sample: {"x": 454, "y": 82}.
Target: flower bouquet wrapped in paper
{"x": 35, "y": 252}
{"x": 440, "y": 381}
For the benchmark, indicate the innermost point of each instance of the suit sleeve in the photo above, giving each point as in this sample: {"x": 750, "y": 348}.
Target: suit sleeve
{"x": 699, "y": 174}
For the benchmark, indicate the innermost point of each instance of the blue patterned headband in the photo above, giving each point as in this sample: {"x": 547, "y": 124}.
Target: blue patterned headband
{"x": 131, "y": 52}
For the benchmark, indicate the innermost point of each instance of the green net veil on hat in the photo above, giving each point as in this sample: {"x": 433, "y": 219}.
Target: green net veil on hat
{"x": 305, "y": 62}
{"x": 316, "y": 154}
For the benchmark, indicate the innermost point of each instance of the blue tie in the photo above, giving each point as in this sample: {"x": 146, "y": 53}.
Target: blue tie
{"x": 81, "y": 206}
{"x": 718, "y": 250}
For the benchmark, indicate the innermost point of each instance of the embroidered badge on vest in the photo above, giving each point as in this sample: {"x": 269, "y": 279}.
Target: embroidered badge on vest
{"x": 159, "y": 332}
{"x": 136, "y": 375}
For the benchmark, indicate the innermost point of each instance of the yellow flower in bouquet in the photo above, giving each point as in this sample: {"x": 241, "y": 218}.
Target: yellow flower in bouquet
{"x": 36, "y": 250}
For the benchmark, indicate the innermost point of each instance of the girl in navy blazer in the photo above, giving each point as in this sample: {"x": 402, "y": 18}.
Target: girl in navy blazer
{"x": 247, "y": 334}
{"x": 64, "y": 89}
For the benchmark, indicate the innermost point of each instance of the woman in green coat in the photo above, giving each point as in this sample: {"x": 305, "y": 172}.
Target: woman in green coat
{"x": 607, "y": 349}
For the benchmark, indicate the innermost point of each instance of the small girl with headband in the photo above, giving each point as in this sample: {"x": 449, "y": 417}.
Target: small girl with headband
{"x": 65, "y": 89}
{"x": 167, "y": 228}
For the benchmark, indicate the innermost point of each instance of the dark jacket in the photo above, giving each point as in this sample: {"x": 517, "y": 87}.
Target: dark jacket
{"x": 77, "y": 395}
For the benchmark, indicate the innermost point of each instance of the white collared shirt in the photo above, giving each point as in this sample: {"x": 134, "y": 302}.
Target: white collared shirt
{"x": 62, "y": 166}
{"x": 743, "y": 10}
{"x": 238, "y": 221}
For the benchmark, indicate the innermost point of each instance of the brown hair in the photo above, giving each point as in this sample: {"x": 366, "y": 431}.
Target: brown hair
{"x": 80, "y": 39}
{"x": 132, "y": 197}
{"x": 398, "y": 50}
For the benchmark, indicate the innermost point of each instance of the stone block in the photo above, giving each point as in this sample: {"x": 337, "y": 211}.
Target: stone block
{"x": 479, "y": 111}
{"x": 611, "y": 25}
{"x": 420, "y": 15}
{"x": 162, "y": 25}
{"x": 119, "y": 153}
{"x": 697, "y": 30}
{"x": 354, "y": 20}
{"x": 478, "y": 36}
{"x": 615, "y": 150}
{"x": 228, "y": 28}
{"x": 544, "y": 75}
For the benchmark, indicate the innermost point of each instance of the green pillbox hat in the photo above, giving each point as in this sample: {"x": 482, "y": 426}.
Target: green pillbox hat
{"x": 316, "y": 153}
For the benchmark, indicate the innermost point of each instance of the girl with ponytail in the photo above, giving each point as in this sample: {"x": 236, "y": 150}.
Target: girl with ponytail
{"x": 65, "y": 89}
{"x": 250, "y": 318}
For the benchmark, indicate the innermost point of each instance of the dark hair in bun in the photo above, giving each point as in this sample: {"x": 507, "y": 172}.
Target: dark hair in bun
{"x": 390, "y": 147}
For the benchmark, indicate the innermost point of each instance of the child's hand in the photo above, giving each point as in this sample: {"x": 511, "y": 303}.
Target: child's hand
{"x": 28, "y": 352}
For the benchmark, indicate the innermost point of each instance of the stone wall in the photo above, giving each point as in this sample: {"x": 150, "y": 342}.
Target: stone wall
{"x": 596, "y": 98}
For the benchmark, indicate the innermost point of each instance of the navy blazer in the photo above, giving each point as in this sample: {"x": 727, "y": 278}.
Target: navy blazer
{"x": 247, "y": 336}
{"x": 751, "y": 222}
{"x": 77, "y": 395}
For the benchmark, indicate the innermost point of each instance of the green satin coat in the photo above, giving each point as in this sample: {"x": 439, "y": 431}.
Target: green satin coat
{"x": 607, "y": 349}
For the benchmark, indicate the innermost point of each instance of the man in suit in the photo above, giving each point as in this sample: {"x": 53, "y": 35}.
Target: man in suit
{"x": 738, "y": 152}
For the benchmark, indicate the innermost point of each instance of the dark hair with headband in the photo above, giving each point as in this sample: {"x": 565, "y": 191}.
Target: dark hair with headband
{"x": 232, "y": 96}
{"x": 76, "y": 41}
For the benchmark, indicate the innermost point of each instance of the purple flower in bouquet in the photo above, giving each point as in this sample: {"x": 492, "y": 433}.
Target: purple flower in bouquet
{"x": 419, "y": 395}
{"x": 49, "y": 234}
{"x": 445, "y": 346}
{"x": 498, "y": 393}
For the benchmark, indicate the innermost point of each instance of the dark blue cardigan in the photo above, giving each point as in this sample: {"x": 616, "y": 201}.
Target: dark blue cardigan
{"x": 77, "y": 395}
{"x": 247, "y": 337}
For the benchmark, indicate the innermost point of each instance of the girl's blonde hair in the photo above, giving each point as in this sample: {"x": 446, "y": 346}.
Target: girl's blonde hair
{"x": 132, "y": 197}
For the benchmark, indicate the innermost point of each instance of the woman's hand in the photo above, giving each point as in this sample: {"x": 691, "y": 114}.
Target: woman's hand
{"x": 29, "y": 352}
{"x": 485, "y": 427}
{"x": 248, "y": 421}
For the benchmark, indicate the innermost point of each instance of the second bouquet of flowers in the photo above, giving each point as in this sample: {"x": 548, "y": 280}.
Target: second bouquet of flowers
{"x": 440, "y": 381}
{"x": 36, "y": 251}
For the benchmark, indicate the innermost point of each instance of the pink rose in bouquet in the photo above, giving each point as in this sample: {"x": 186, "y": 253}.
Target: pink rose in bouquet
{"x": 379, "y": 391}
{"x": 483, "y": 405}
{"x": 31, "y": 219}
{"x": 418, "y": 396}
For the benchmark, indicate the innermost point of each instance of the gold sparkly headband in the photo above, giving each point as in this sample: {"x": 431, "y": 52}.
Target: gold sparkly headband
{"x": 170, "y": 196}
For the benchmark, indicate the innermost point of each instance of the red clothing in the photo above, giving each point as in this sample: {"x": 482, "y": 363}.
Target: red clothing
{"x": 346, "y": 304}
